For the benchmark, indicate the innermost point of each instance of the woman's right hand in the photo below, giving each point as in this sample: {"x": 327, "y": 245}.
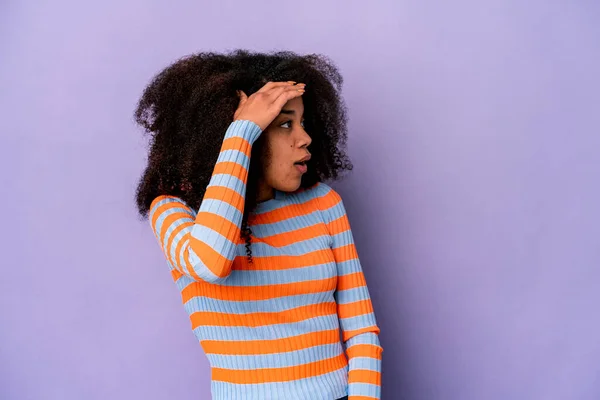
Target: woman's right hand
{"x": 265, "y": 105}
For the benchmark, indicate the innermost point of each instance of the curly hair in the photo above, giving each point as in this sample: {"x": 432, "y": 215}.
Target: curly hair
{"x": 187, "y": 108}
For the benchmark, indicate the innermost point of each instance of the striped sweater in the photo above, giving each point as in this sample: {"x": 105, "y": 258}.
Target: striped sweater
{"x": 271, "y": 328}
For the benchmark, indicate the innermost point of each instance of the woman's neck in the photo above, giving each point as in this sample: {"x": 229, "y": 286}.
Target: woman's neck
{"x": 264, "y": 192}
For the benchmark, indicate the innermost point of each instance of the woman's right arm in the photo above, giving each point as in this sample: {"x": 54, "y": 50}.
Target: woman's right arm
{"x": 204, "y": 247}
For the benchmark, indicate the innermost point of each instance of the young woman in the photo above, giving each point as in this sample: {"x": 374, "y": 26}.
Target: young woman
{"x": 260, "y": 248}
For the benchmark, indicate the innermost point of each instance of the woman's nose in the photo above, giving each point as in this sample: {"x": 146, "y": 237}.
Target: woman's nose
{"x": 305, "y": 139}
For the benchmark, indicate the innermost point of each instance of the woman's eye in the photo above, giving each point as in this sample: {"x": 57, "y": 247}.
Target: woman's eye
{"x": 288, "y": 124}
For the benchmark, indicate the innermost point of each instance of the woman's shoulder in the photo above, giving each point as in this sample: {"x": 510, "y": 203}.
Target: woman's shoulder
{"x": 320, "y": 194}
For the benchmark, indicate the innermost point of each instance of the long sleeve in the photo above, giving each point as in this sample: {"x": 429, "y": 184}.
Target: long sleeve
{"x": 357, "y": 319}
{"x": 203, "y": 245}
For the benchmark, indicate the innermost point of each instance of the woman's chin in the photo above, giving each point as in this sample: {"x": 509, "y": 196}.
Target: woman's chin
{"x": 291, "y": 186}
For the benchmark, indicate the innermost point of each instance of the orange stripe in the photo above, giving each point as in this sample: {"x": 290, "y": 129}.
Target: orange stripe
{"x": 322, "y": 203}
{"x": 298, "y": 235}
{"x": 361, "y": 398}
{"x": 231, "y": 168}
{"x": 265, "y": 375}
{"x": 174, "y": 233}
{"x": 280, "y": 263}
{"x": 167, "y": 222}
{"x": 347, "y": 334}
{"x": 286, "y": 212}
{"x": 265, "y": 292}
{"x": 159, "y": 199}
{"x": 339, "y": 225}
{"x": 351, "y": 281}
{"x": 213, "y": 260}
{"x": 364, "y": 376}
{"x": 170, "y": 220}
{"x": 329, "y": 200}
{"x": 154, "y": 202}
{"x": 158, "y": 212}
{"x": 204, "y": 251}
{"x": 219, "y": 224}
{"x": 355, "y": 309}
{"x": 237, "y": 143}
{"x": 186, "y": 257}
{"x": 345, "y": 253}
{"x": 225, "y": 194}
{"x": 254, "y": 347}
{"x": 172, "y": 204}
{"x": 364, "y": 350}
{"x": 297, "y": 314}
{"x": 175, "y": 274}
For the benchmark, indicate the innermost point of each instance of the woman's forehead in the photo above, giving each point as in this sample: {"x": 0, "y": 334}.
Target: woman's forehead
{"x": 294, "y": 106}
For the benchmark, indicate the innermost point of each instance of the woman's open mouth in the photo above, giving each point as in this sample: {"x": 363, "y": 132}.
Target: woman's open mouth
{"x": 301, "y": 166}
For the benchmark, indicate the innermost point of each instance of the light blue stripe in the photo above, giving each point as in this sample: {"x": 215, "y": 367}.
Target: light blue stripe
{"x": 183, "y": 281}
{"x": 342, "y": 239}
{"x": 336, "y": 211}
{"x": 274, "y": 277}
{"x": 247, "y": 129}
{"x": 270, "y": 332}
{"x": 176, "y": 238}
{"x": 171, "y": 251}
{"x": 368, "y": 363}
{"x": 236, "y": 156}
{"x": 362, "y": 321}
{"x": 198, "y": 265}
{"x": 181, "y": 207}
{"x": 216, "y": 241}
{"x": 276, "y": 360}
{"x": 206, "y": 304}
{"x": 193, "y": 260}
{"x": 352, "y": 295}
{"x": 222, "y": 208}
{"x": 290, "y": 198}
{"x": 166, "y": 200}
{"x": 269, "y": 206}
{"x": 364, "y": 389}
{"x": 364, "y": 338}
{"x": 288, "y": 225}
{"x": 298, "y": 249}
{"x": 228, "y": 181}
{"x": 349, "y": 267}
{"x": 269, "y": 322}
{"x": 161, "y": 218}
{"x": 266, "y": 277}
{"x": 319, "y": 190}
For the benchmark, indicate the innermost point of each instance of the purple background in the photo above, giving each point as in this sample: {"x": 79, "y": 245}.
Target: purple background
{"x": 475, "y": 133}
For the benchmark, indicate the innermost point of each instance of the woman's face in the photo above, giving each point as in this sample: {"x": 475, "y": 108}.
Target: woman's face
{"x": 286, "y": 143}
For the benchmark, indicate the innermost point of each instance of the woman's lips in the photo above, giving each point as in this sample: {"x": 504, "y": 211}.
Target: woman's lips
{"x": 301, "y": 167}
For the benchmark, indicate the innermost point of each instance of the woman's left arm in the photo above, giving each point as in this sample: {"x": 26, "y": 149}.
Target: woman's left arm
{"x": 357, "y": 319}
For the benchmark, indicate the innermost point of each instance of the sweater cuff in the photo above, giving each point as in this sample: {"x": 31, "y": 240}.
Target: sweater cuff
{"x": 246, "y": 129}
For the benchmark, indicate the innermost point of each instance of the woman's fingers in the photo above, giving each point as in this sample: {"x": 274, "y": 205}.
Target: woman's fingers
{"x": 271, "y": 85}
{"x": 274, "y": 93}
{"x": 286, "y": 96}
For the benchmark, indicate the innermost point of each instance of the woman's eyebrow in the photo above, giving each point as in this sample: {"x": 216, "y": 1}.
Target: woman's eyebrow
{"x": 292, "y": 112}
